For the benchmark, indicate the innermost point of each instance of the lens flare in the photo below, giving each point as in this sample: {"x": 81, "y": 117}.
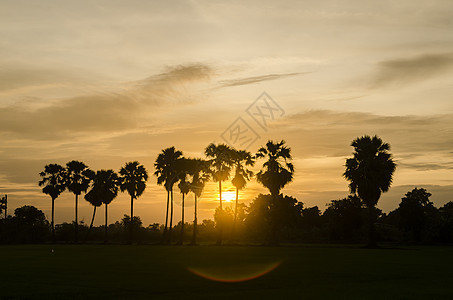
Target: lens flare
{"x": 237, "y": 273}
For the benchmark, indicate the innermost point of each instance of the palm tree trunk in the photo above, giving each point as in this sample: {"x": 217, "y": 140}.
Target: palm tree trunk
{"x": 195, "y": 221}
{"x": 76, "y": 232}
{"x": 181, "y": 239}
{"x": 131, "y": 225}
{"x": 171, "y": 217}
{"x": 106, "y": 215}
{"x": 91, "y": 224}
{"x": 219, "y": 240}
{"x": 164, "y": 235}
{"x": 372, "y": 236}
{"x": 53, "y": 223}
{"x": 235, "y": 214}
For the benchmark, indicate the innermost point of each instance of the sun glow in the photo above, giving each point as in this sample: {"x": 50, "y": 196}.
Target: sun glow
{"x": 229, "y": 196}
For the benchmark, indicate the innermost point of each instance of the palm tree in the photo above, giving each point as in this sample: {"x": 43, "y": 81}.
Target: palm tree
{"x": 200, "y": 172}
{"x": 278, "y": 171}
{"x": 167, "y": 174}
{"x": 221, "y": 162}
{"x": 370, "y": 173}
{"x": 133, "y": 180}
{"x": 103, "y": 191}
{"x": 241, "y": 159}
{"x": 184, "y": 188}
{"x": 94, "y": 198}
{"x": 77, "y": 181}
{"x": 53, "y": 180}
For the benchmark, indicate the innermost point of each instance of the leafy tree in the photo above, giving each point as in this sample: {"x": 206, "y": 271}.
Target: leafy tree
{"x": 133, "y": 180}
{"x": 370, "y": 172}
{"x": 241, "y": 159}
{"x": 268, "y": 215}
{"x": 413, "y": 211}
{"x": 77, "y": 181}
{"x": 344, "y": 217}
{"x": 219, "y": 157}
{"x": 53, "y": 180}
{"x": 104, "y": 190}
{"x": 167, "y": 174}
{"x": 31, "y": 223}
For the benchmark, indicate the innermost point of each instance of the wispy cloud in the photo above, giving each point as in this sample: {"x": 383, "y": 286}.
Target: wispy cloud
{"x": 257, "y": 79}
{"x": 408, "y": 70}
{"x": 108, "y": 111}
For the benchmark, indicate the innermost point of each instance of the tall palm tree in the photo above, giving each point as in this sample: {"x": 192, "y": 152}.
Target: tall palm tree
{"x": 370, "y": 173}
{"x": 184, "y": 188}
{"x": 53, "y": 180}
{"x": 77, "y": 181}
{"x": 133, "y": 180}
{"x": 200, "y": 172}
{"x": 104, "y": 190}
{"x": 94, "y": 198}
{"x": 241, "y": 160}
{"x": 278, "y": 170}
{"x": 221, "y": 162}
{"x": 167, "y": 174}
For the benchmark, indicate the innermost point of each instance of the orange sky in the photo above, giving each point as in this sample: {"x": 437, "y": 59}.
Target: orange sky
{"x": 111, "y": 82}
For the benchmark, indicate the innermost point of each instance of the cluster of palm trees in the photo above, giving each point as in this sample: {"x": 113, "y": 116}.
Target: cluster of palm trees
{"x": 77, "y": 178}
{"x": 369, "y": 172}
{"x": 171, "y": 168}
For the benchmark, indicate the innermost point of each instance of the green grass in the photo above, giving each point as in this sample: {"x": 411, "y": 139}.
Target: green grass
{"x": 158, "y": 272}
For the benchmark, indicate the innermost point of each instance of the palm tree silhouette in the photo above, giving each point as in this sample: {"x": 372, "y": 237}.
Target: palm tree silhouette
{"x": 167, "y": 174}
{"x": 278, "y": 171}
{"x": 370, "y": 173}
{"x": 221, "y": 162}
{"x": 241, "y": 160}
{"x": 94, "y": 198}
{"x": 200, "y": 172}
{"x": 104, "y": 190}
{"x": 184, "y": 188}
{"x": 53, "y": 180}
{"x": 133, "y": 180}
{"x": 77, "y": 181}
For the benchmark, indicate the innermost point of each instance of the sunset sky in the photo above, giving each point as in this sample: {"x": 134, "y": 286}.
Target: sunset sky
{"x": 107, "y": 82}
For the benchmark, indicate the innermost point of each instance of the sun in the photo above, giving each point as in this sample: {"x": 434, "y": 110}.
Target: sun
{"x": 228, "y": 196}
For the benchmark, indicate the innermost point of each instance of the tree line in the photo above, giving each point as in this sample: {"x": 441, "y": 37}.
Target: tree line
{"x": 269, "y": 218}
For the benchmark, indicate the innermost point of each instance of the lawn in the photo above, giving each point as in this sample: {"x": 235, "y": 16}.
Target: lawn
{"x": 163, "y": 272}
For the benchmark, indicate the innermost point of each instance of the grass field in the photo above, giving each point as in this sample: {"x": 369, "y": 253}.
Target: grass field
{"x": 162, "y": 272}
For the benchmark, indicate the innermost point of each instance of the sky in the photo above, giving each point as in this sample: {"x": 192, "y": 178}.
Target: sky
{"x": 107, "y": 82}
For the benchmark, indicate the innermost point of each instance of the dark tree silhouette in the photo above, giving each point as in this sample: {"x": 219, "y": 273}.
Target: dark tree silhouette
{"x": 53, "y": 180}
{"x": 200, "y": 172}
{"x": 103, "y": 191}
{"x": 167, "y": 174}
{"x": 133, "y": 180}
{"x": 413, "y": 209}
{"x": 370, "y": 172}
{"x": 241, "y": 159}
{"x": 269, "y": 215}
{"x": 77, "y": 181}
{"x": 221, "y": 162}
{"x": 277, "y": 172}
{"x": 344, "y": 217}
